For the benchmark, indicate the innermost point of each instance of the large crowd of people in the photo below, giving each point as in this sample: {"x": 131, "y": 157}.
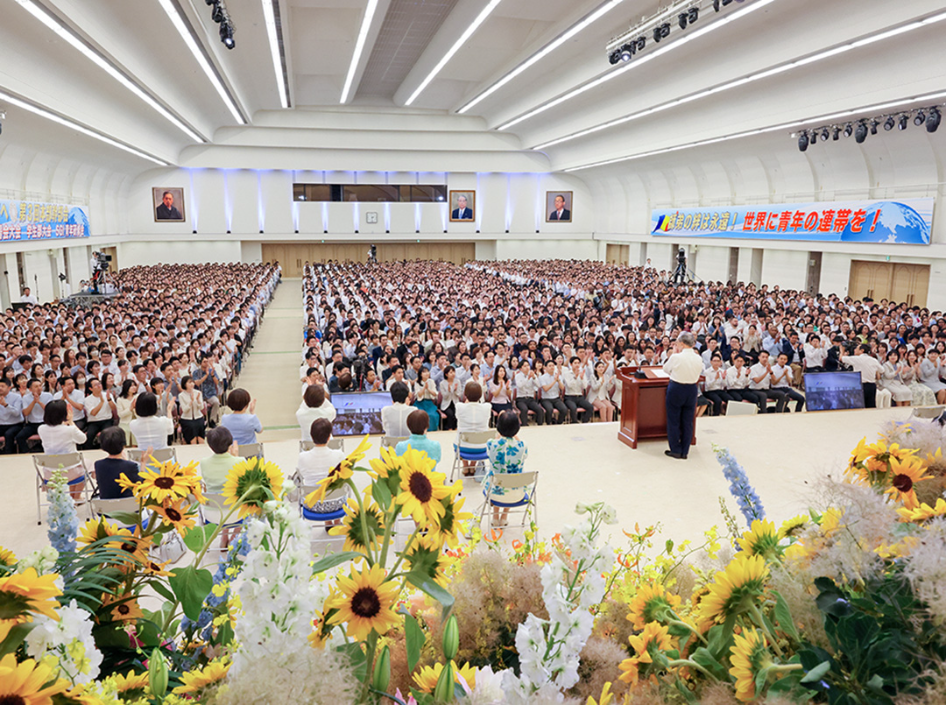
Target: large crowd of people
{"x": 154, "y": 360}
{"x": 545, "y": 337}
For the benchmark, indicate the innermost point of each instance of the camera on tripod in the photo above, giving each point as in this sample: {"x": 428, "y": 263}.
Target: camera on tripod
{"x": 102, "y": 260}
{"x": 682, "y": 256}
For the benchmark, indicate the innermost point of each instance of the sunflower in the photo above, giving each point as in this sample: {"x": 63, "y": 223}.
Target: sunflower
{"x": 426, "y": 557}
{"x": 365, "y": 601}
{"x": 606, "y": 696}
{"x": 655, "y": 636}
{"x": 446, "y": 530}
{"x": 28, "y": 683}
{"x": 630, "y": 670}
{"x": 427, "y": 677}
{"x": 339, "y": 474}
{"x": 353, "y": 531}
{"x": 749, "y": 658}
{"x": 7, "y": 557}
{"x": 196, "y": 680}
{"x": 735, "y": 588}
{"x": 904, "y": 475}
{"x": 252, "y": 482}
{"x": 831, "y": 520}
{"x": 388, "y": 465}
{"x": 422, "y": 489}
{"x": 29, "y": 592}
{"x": 791, "y": 526}
{"x": 761, "y": 540}
{"x": 167, "y": 483}
{"x": 923, "y": 512}
{"x": 651, "y": 603}
{"x": 94, "y": 529}
{"x": 121, "y": 609}
{"x": 130, "y": 681}
{"x": 176, "y": 515}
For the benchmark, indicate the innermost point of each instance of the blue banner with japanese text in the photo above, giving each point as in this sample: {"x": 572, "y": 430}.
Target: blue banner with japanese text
{"x": 902, "y": 222}
{"x": 31, "y": 220}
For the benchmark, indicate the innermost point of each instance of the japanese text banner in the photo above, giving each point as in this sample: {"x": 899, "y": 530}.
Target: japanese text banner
{"x": 29, "y": 220}
{"x": 903, "y": 222}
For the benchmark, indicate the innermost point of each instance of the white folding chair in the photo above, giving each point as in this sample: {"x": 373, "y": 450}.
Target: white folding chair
{"x": 322, "y": 518}
{"x": 391, "y": 441}
{"x": 462, "y": 450}
{"x": 741, "y": 408}
{"x": 107, "y": 507}
{"x": 524, "y": 481}
{"x": 333, "y": 443}
{"x": 250, "y": 450}
{"x": 45, "y": 463}
{"x": 161, "y": 455}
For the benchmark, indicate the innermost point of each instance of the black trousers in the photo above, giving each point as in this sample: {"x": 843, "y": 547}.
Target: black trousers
{"x": 575, "y": 402}
{"x": 792, "y": 395}
{"x": 753, "y": 396}
{"x": 448, "y": 420}
{"x": 527, "y": 405}
{"x": 681, "y": 416}
{"x": 870, "y": 395}
{"x": 718, "y": 397}
{"x": 9, "y": 437}
{"x": 26, "y": 430}
{"x": 781, "y": 399}
{"x": 557, "y": 404}
{"x": 93, "y": 429}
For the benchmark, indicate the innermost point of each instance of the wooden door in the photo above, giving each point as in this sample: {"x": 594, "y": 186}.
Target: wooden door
{"x": 618, "y": 254}
{"x": 113, "y": 251}
{"x": 814, "y": 273}
{"x": 910, "y": 283}
{"x": 872, "y": 280}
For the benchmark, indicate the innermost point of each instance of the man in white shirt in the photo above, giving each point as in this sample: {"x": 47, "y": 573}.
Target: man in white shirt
{"x": 815, "y": 354}
{"x": 576, "y": 384}
{"x": 551, "y": 393}
{"x": 527, "y": 386}
{"x": 684, "y": 367}
{"x": 11, "y": 416}
{"x": 74, "y": 398}
{"x": 781, "y": 382}
{"x": 394, "y": 417}
{"x": 870, "y": 369}
{"x": 760, "y": 380}
{"x": 28, "y": 298}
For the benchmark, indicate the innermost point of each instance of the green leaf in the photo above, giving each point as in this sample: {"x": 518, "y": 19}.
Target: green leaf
{"x": 382, "y": 495}
{"x": 684, "y": 691}
{"x": 669, "y": 546}
{"x": 191, "y": 586}
{"x": 435, "y": 591}
{"x": 817, "y": 673}
{"x": 15, "y": 638}
{"x": 124, "y": 518}
{"x": 761, "y": 678}
{"x": 198, "y": 536}
{"x": 159, "y": 588}
{"x": 707, "y": 660}
{"x": 359, "y": 661}
{"x": 415, "y": 639}
{"x": 783, "y": 616}
{"x": 334, "y": 559}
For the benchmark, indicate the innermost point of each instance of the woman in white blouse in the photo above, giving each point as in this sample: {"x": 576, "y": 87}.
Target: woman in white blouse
{"x": 472, "y": 417}
{"x": 60, "y": 436}
{"x": 449, "y": 398}
{"x": 892, "y": 381}
{"x": 601, "y": 383}
{"x": 192, "y": 412}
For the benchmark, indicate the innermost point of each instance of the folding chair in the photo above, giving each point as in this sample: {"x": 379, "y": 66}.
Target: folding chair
{"x": 333, "y": 443}
{"x": 107, "y": 507}
{"x": 48, "y": 463}
{"x": 741, "y": 408}
{"x": 214, "y": 511}
{"x": 526, "y": 481}
{"x": 462, "y": 450}
{"x": 162, "y": 455}
{"x": 391, "y": 441}
{"x": 321, "y": 518}
{"x": 250, "y": 450}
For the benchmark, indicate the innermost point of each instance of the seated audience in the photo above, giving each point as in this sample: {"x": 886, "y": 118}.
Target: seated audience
{"x": 394, "y": 417}
{"x": 418, "y": 423}
{"x": 214, "y": 470}
{"x": 191, "y": 402}
{"x": 149, "y": 429}
{"x": 473, "y": 416}
{"x": 425, "y": 397}
{"x": 243, "y": 424}
{"x": 108, "y": 470}
{"x": 315, "y": 464}
{"x": 314, "y": 406}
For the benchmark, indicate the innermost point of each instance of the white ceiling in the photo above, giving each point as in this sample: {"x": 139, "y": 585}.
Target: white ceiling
{"x": 404, "y": 42}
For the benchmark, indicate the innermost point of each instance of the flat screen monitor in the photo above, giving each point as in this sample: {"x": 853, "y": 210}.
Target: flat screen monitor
{"x": 827, "y": 391}
{"x": 359, "y": 413}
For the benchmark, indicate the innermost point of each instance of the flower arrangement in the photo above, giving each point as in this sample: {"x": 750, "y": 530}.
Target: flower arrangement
{"x": 845, "y": 604}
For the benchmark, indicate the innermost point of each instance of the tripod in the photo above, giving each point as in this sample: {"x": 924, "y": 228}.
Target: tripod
{"x": 681, "y": 275}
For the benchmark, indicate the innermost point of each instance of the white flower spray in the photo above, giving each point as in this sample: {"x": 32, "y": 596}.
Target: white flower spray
{"x": 67, "y": 644}
{"x": 549, "y": 649}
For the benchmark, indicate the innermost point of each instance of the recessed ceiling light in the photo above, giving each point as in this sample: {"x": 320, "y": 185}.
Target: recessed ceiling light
{"x": 370, "y": 11}
{"x": 269, "y": 17}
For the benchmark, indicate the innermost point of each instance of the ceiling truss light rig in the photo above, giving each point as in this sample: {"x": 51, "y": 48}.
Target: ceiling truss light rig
{"x": 221, "y": 16}
{"x": 862, "y": 127}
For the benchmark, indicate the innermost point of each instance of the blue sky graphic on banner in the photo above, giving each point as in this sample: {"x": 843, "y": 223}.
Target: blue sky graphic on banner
{"x": 29, "y": 220}
{"x": 902, "y": 222}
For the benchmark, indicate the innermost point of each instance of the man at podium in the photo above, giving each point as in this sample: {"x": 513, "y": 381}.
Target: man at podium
{"x": 684, "y": 367}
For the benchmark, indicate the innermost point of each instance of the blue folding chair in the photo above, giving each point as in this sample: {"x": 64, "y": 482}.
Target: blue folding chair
{"x": 466, "y": 449}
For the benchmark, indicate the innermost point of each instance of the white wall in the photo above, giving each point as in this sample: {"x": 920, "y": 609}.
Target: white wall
{"x": 132, "y": 254}
{"x": 712, "y": 263}
{"x": 546, "y": 249}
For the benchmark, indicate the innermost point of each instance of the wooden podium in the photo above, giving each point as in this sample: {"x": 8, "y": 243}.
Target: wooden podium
{"x": 643, "y": 405}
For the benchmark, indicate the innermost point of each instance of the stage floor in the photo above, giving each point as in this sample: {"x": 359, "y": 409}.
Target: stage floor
{"x": 784, "y": 456}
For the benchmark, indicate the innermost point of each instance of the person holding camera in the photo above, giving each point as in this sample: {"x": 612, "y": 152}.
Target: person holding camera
{"x": 871, "y": 370}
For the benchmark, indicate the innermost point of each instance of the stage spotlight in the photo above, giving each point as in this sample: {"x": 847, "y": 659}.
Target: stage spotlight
{"x": 217, "y": 14}
{"x": 803, "y": 142}
{"x": 211, "y": 2}
{"x": 627, "y": 52}
{"x": 848, "y": 130}
{"x": 919, "y": 119}
{"x": 837, "y": 134}
{"x": 932, "y": 120}
{"x": 873, "y": 127}
{"x": 904, "y": 119}
{"x": 889, "y": 125}
{"x": 813, "y": 137}
{"x": 614, "y": 58}
{"x": 226, "y": 34}
{"x": 861, "y": 133}
{"x": 825, "y": 135}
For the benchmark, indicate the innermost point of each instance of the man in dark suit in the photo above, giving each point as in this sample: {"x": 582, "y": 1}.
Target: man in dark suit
{"x": 167, "y": 211}
{"x": 560, "y": 212}
{"x": 462, "y": 212}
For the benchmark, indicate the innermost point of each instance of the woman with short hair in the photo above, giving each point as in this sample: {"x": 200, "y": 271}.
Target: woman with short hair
{"x": 314, "y": 406}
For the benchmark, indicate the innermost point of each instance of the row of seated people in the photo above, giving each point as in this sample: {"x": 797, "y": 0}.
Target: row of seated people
{"x": 178, "y": 332}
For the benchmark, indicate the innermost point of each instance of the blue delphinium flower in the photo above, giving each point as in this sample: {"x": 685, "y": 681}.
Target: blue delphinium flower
{"x": 227, "y": 570}
{"x": 749, "y": 503}
{"x": 62, "y": 518}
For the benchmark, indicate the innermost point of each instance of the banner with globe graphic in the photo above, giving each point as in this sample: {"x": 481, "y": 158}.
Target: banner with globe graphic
{"x": 900, "y": 222}
{"x": 31, "y": 220}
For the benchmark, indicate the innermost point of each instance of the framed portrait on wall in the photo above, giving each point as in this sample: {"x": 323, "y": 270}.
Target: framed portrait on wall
{"x": 168, "y": 204}
{"x": 558, "y": 206}
{"x": 462, "y": 206}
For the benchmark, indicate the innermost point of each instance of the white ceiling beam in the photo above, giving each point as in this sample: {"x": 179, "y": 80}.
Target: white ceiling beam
{"x": 369, "y": 28}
